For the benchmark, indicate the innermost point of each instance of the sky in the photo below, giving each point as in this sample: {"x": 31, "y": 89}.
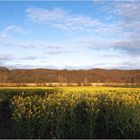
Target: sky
{"x": 70, "y": 34}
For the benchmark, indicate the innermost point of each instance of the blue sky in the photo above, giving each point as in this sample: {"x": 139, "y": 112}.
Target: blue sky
{"x": 70, "y": 34}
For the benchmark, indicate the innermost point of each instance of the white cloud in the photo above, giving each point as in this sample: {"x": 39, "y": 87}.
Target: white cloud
{"x": 129, "y": 10}
{"x": 3, "y": 37}
{"x": 14, "y": 29}
{"x": 43, "y": 15}
{"x": 5, "y": 34}
{"x": 129, "y": 14}
{"x": 59, "y": 51}
{"x": 34, "y": 45}
{"x": 61, "y": 19}
{"x": 5, "y": 58}
{"x": 95, "y": 43}
{"x": 30, "y": 66}
{"x": 123, "y": 34}
{"x": 64, "y": 20}
{"x": 131, "y": 46}
{"x": 45, "y": 47}
{"x": 30, "y": 58}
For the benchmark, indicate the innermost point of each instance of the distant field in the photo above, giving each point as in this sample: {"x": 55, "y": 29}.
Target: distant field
{"x": 70, "y": 112}
{"x": 71, "y": 87}
{"x": 57, "y": 84}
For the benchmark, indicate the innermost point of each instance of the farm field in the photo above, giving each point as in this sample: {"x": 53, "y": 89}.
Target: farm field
{"x": 70, "y": 112}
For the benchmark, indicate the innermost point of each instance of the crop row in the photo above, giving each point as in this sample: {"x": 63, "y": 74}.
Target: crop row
{"x": 78, "y": 113}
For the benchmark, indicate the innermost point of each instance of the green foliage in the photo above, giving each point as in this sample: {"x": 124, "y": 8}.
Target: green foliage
{"x": 78, "y": 113}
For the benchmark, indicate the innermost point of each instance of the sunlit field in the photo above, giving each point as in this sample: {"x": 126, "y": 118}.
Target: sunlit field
{"x": 72, "y": 112}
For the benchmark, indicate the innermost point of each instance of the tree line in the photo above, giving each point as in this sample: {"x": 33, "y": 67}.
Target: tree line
{"x": 69, "y": 76}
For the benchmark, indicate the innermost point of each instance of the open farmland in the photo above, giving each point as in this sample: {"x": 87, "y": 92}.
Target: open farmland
{"x": 70, "y": 69}
{"x": 70, "y": 112}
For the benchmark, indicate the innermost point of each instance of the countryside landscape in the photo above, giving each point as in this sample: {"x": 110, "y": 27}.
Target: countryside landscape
{"x": 70, "y": 69}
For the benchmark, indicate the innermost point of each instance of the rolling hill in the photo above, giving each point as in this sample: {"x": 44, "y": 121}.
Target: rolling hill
{"x": 68, "y": 76}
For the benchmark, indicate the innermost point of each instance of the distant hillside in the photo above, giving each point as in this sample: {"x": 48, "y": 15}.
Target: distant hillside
{"x": 68, "y": 76}
{"x": 3, "y": 69}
